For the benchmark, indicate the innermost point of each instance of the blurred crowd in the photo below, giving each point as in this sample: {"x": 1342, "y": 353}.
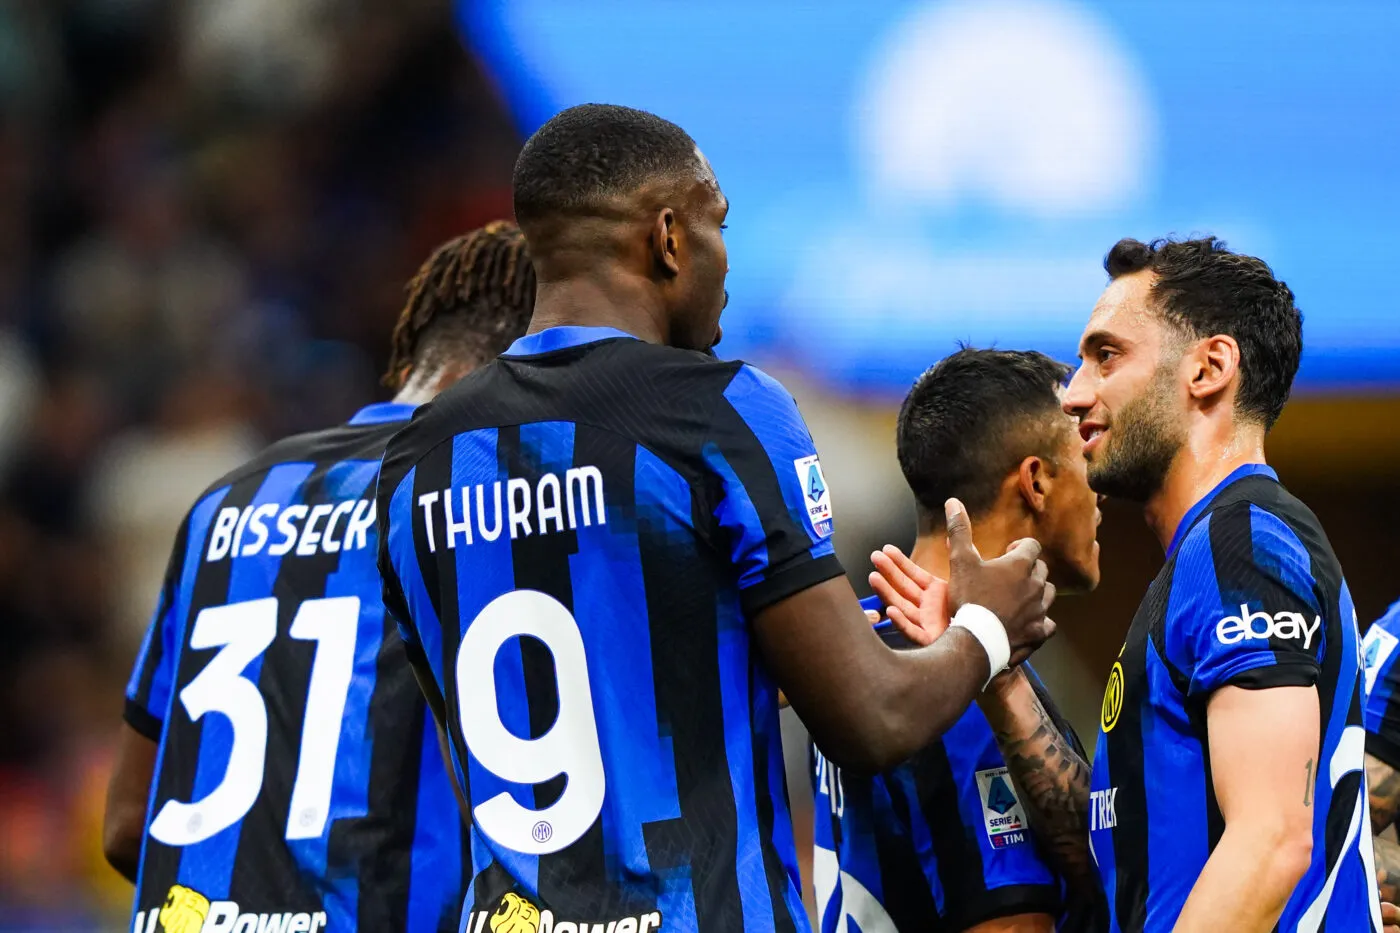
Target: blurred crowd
{"x": 209, "y": 209}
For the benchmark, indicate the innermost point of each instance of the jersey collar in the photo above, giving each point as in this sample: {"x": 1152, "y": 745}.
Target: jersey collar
{"x": 1193, "y": 513}
{"x": 561, "y": 338}
{"x": 383, "y": 412}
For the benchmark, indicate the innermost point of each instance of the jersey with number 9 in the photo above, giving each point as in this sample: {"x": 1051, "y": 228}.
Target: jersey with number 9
{"x": 576, "y": 538}
{"x": 296, "y": 753}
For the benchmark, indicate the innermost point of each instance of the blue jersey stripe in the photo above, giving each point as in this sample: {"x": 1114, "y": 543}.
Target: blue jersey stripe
{"x": 205, "y": 866}
{"x": 437, "y": 841}
{"x": 485, "y": 570}
{"x": 608, "y": 568}
{"x": 201, "y": 517}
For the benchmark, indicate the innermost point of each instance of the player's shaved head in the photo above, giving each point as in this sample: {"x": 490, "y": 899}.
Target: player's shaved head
{"x": 970, "y": 419}
{"x": 466, "y": 304}
{"x": 592, "y": 161}
{"x": 621, "y": 203}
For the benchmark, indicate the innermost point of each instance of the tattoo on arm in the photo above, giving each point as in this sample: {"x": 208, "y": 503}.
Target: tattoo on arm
{"x": 1388, "y": 869}
{"x": 1054, "y": 784}
{"x": 1384, "y": 784}
{"x": 1308, "y": 784}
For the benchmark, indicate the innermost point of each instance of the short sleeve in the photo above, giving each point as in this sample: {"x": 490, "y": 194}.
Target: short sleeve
{"x": 1244, "y": 608}
{"x": 773, "y": 506}
{"x": 153, "y": 676}
{"x": 987, "y": 861}
{"x": 1382, "y": 668}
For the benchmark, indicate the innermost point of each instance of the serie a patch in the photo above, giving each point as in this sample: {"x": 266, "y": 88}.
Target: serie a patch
{"x": 1002, "y": 814}
{"x": 1375, "y": 651}
{"x": 816, "y": 497}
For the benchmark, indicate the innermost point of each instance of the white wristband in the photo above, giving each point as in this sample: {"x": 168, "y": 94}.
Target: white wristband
{"x": 990, "y": 634}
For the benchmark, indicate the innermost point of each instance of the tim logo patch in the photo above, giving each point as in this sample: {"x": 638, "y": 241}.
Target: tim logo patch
{"x": 1002, "y": 813}
{"x": 1375, "y": 651}
{"x": 815, "y": 496}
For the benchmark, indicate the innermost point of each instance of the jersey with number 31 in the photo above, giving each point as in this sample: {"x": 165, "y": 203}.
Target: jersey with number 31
{"x": 298, "y": 785}
{"x": 577, "y": 536}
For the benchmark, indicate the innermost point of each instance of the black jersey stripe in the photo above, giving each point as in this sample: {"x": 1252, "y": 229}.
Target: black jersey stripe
{"x": 264, "y": 876}
{"x": 906, "y": 893}
{"x": 960, "y": 868}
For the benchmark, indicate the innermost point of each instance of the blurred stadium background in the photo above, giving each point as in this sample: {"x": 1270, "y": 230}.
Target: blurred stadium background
{"x": 210, "y": 208}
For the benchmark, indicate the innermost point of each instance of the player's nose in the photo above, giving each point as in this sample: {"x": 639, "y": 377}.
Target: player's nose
{"x": 1078, "y": 396}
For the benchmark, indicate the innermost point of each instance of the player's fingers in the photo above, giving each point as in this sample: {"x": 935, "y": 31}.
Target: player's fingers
{"x": 1027, "y": 549}
{"x": 1390, "y": 913}
{"x": 890, "y": 596}
{"x": 872, "y": 616}
{"x": 906, "y": 563}
{"x": 1040, "y": 572}
{"x": 960, "y": 546}
{"x": 1047, "y": 598}
{"x": 895, "y": 575}
{"x": 908, "y": 628}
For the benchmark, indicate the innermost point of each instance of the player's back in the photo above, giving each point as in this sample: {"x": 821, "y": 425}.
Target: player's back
{"x": 1251, "y": 595}
{"x": 939, "y": 842}
{"x": 298, "y": 785}
{"x": 576, "y": 536}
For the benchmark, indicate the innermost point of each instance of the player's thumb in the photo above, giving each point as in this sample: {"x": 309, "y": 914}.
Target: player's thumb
{"x": 960, "y": 546}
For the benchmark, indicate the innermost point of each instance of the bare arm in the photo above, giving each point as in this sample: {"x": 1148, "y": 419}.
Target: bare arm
{"x": 128, "y": 790}
{"x": 1052, "y": 778}
{"x": 1383, "y": 783}
{"x": 423, "y": 673}
{"x": 1263, "y": 753}
{"x": 1021, "y": 923}
{"x": 870, "y": 707}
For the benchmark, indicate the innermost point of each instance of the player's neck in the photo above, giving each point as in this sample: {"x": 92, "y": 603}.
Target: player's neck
{"x": 423, "y": 385}
{"x": 609, "y": 298}
{"x": 991, "y": 534}
{"x": 1201, "y": 465}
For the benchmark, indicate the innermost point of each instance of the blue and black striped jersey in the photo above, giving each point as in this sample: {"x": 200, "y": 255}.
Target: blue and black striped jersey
{"x": 573, "y": 540}
{"x": 939, "y": 843}
{"x": 1251, "y": 595}
{"x": 299, "y": 785}
{"x": 1383, "y": 687}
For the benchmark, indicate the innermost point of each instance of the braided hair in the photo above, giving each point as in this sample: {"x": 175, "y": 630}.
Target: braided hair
{"x": 469, "y": 301}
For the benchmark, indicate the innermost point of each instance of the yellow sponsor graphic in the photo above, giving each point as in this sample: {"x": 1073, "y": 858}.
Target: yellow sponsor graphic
{"x": 515, "y": 915}
{"x": 1112, "y": 699}
{"x": 184, "y": 910}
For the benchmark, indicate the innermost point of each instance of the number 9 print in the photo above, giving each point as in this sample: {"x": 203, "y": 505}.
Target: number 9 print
{"x": 570, "y": 747}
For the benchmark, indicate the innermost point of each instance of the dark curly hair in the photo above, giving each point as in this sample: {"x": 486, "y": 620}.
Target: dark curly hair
{"x": 469, "y": 301}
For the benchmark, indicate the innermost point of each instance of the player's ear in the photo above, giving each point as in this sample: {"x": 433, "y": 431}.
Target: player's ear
{"x": 1213, "y": 363}
{"x": 665, "y": 246}
{"x": 1033, "y": 482}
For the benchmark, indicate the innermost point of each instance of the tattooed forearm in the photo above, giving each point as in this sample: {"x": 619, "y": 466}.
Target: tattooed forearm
{"x": 1384, "y": 784}
{"x": 1388, "y": 869}
{"x": 1052, "y": 778}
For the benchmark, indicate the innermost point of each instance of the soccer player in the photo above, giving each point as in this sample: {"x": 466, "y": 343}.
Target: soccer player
{"x": 1227, "y": 789}
{"x": 1382, "y": 715}
{"x": 274, "y": 733}
{"x": 604, "y": 550}
{"x": 941, "y": 841}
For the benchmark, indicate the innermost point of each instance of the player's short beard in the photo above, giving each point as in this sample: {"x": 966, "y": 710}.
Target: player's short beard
{"x": 1145, "y": 436}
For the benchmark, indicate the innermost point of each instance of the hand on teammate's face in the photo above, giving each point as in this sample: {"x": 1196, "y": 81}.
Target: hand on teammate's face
{"x": 1390, "y": 917}
{"x": 1014, "y": 586}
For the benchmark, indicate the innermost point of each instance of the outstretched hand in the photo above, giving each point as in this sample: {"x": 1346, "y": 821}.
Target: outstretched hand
{"x": 1014, "y": 586}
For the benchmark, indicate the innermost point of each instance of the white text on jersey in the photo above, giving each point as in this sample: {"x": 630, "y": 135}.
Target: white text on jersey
{"x": 298, "y": 529}
{"x": 575, "y": 502}
{"x": 1102, "y": 809}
